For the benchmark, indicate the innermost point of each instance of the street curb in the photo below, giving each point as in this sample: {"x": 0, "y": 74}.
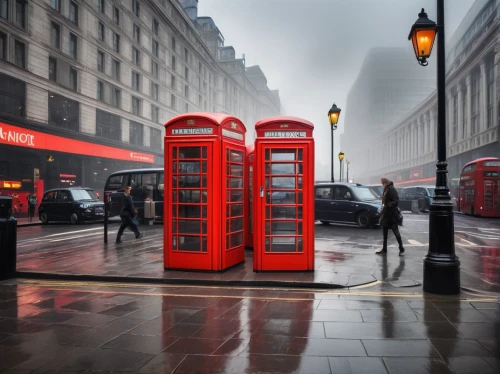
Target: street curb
{"x": 191, "y": 282}
{"x": 29, "y": 224}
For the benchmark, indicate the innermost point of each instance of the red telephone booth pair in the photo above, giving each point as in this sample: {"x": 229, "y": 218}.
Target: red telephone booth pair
{"x": 213, "y": 183}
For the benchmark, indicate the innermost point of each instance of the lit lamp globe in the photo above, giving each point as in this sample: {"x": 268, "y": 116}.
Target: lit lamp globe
{"x": 341, "y": 156}
{"x": 333, "y": 116}
{"x": 422, "y": 36}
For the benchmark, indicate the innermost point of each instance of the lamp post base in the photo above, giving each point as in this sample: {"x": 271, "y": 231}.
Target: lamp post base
{"x": 441, "y": 265}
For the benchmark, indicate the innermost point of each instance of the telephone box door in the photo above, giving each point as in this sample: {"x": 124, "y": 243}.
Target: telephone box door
{"x": 188, "y": 208}
{"x": 284, "y": 223}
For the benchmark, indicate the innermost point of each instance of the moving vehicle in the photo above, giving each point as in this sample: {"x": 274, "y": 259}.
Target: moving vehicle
{"x": 73, "y": 204}
{"x": 416, "y": 198}
{"x": 346, "y": 203}
{"x": 480, "y": 187}
{"x": 147, "y": 184}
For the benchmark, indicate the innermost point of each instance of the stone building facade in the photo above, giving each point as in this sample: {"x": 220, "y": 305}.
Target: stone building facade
{"x": 109, "y": 72}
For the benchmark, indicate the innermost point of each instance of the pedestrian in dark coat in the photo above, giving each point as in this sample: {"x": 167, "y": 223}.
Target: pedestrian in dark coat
{"x": 390, "y": 217}
{"x": 32, "y": 202}
{"x": 128, "y": 214}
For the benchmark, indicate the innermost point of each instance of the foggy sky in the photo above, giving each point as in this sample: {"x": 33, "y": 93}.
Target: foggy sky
{"x": 312, "y": 50}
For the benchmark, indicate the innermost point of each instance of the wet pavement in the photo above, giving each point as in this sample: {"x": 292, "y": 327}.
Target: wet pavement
{"x": 344, "y": 256}
{"x": 70, "y": 327}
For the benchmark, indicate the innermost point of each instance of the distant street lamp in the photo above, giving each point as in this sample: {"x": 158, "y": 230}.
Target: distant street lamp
{"x": 347, "y": 162}
{"x": 341, "y": 157}
{"x": 333, "y": 117}
{"x": 441, "y": 265}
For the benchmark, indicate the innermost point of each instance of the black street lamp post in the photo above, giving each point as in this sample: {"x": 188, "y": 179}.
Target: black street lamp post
{"x": 441, "y": 265}
{"x": 333, "y": 117}
{"x": 341, "y": 158}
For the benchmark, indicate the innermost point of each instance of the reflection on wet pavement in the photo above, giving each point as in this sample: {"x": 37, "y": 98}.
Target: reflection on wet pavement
{"x": 55, "y": 326}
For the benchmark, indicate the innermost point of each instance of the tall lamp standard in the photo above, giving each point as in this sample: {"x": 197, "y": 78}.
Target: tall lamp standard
{"x": 441, "y": 265}
{"x": 333, "y": 117}
{"x": 347, "y": 162}
{"x": 341, "y": 157}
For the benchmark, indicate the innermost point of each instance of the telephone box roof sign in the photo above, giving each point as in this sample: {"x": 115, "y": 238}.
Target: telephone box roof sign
{"x": 284, "y": 127}
{"x": 206, "y": 124}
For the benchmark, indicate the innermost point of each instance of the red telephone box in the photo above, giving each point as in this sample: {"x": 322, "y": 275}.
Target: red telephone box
{"x": 204, "y": 210}
{"x": 249, "y": 170}
{"x": 283, "y": 199}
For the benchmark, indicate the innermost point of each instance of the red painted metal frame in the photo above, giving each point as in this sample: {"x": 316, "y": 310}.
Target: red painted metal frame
{"x": 220, "y": 133}
{"x": 249, "y": 172}
{"x": 269, "y": 132}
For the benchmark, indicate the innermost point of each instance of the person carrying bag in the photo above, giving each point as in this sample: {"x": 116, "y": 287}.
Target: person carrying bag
{"x": 391, "y": 216}
{"x": 128, "y": 215}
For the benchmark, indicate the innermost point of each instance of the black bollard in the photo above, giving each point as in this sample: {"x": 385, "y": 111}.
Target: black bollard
{"x": 8, "y": 239}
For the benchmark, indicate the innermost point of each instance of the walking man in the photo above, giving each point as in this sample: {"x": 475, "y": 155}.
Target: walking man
{"x": 390, "y": 217}
{"x": 128, "y": 214}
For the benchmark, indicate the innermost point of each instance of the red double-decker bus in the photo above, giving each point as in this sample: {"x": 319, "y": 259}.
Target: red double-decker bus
{"x": 480, "y": 187}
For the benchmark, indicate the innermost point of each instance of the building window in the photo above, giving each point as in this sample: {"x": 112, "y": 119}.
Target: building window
{"x": 154, "y": 91}
{"x": 116, "y": 15}
{"x": 12, "y": 96}
{"x": 199, "y": 101}
{"x": 155, "y": 113}
{"x": 154, "y": 69}
{"x": 73, "y": 78}
{"x": 100, "y": 29}
{"x": 108, "y": 125}
{"x": 73, "y": 13}
{"x": 136, "y": 56}
{"x": 173, "y": 63}
{"x": 174, "y": 44}
{"x": 55, "y": 35}
{"x": 199, "y": 68}
{"x": 455, "y": 119}
{"x": 116, "y": 70}
{"x": 475, "y": 96}
{"x": 4, "y": 9}
{"x": 156, "y": 27}
{"x": 172, "y": 101}
{"x": 136, "y": 106}
{"x": 464, "y": 115}
{"x": 155, "y": 48}
{"x": 491, "y": 93}
{"x": 186, "y": 91}
{"x": 116, "y": 42}
{"x": 136, "y": 7}
{"x": 20, "y": 54}
{"x": 186, "y": 73}
{"x": 186, "y": 54}
{"x": 64, "y": 112}
{"x": 136, "y": 133}
{"x": 101, "y": 6}
{"x": 100, "y": 91}
{"x": 100, "y": 61}
{"x": 55, "y": 4}
{"x": 186, "y": 108}
{"x": 137, "y": 34}
{"x": 3, "y": 46}
{"x": 73, "y": 45}
{"x": 155, "y": 138}
{"x": 172, "y": 81}
{"x": 53, "y": 69}
{"x": 21, "y": 13}
{"x": 116, "y": 97}
{"x": 136, "y": 77}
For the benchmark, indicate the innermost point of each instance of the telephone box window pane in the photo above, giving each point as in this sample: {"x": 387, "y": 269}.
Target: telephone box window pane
{"x": 204, "y": 196}
{"x": 175, "y": 152}
{"x": 189, "y": 167}
{"x": 268, "y": 228}
{"x": 204, "y": 152}
{"x": 283, "y": 213}
{"x": 300, "y": 155}
{"x": 189, "y": 227}
{"x": 203, "y": 212}
{"x": 189, "y": 196}
{"x": 189, "y": 243}
{"x": 203, "y": 227}
{"x": 203, "y": 166}
{"x": 283, "y": 182}
{"x": 204, "y": 244}
{"x": 234, "y": 196}
{"x": 299, "y": 212}
{"x": 299, "y": 244}
{"x": 189, "y": 152}
{"x": 204, "y": 181}
{"x": 174, "y": 242}
{"x": 235, "y": 156}
{"x": 281, "y": 169}
{"x": 189, "y": 211}
{"x": 268, "y": 212}
{"x": 174, "y": 210}
{"x": 301, "y": 169}
{"x": 284, "y": 228}
{"x": 283, "y": 244}
{"x": 234, "y": 210}
{"x": 300, "y": 183}
{"x": 283, "y": 155}
{"x": 281, "y": 197}
{"x": 235, "y": 224}
{"x": 234, "y": 183}
{"x": 299, "y": 226}
{"x": 268, "y": 155}
{"x": 236, "y": 170}
{"x": 236, "y": 239}
{"x": 300, "y": 197}
{"x": 268, "y": 245}
{"x": 174, "y": 225}
{"x": 174, "y": 196}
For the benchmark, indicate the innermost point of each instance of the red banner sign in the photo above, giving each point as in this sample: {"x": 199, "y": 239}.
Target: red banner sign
{"x": 416, "y": 174}
{"x": 20, "y": 137}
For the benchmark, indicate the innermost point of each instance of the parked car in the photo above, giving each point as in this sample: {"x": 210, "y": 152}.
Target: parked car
{"x": 346, "y": 203}
{"x": 74, "y": 204}
{"x": 416, "y": 198}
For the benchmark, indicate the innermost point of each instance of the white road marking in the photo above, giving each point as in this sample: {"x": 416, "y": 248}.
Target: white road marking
{"x": 468, "y": 242}
{"x": 417, "y": 243}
